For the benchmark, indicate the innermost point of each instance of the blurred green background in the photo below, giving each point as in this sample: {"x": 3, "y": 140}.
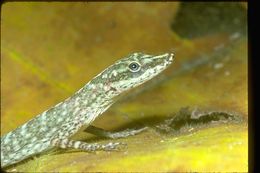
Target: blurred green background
{"x": 50, "y": 50}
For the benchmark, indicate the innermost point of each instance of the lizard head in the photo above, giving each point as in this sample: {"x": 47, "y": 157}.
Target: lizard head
{"x": 133, "y": 70}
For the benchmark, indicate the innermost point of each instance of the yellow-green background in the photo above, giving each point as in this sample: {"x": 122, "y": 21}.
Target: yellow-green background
{"x": 49, "y": 50}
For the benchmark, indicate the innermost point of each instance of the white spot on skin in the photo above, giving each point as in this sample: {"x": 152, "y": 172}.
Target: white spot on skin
{"x": 6, "y": 141}
{"x": 77, "y": 99}
{"x": 30, "y": 145}
{"x": 8, "y": 148}
{"x": 23, "y": 131}
{"x": 23, "y": 127}
{"x": 135, "y": 55}
{"x": 92, "y": 86}
{"x": 44, "y": 113}
{"x": 54, "y": 142}
{"x": 53, "y": 130}
{"x": 24, "y": 151}
{"x": 93, "y": 96}
{"x": 16, "y": 147}
{"x": 15, "y": 142}
{"x": 83, "y": 112}
{"x": 76, "y": 104}
{"x": 67, "y": 134}
{"x": 85, "y": 102}
{"x": 114, "y": 73}
{"x": 60, "y": 120}
{"x": 100, "y": 85}
{"x": 106, "y": 88}
{"x": 34, "y": 139}
{"x": 104, "y": 76}
{"x": 43, "y": 116}
{"x": 28, "y": 135}
{"x": 12, "y": 155}
{"x": 76, "y": 110}
{"x": 64, "y": 113}
{"x": 64, "y": 106}
{"x": 37, "y": 146}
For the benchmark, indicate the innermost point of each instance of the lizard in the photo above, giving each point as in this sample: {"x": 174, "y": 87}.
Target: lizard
{"x": 54, "y": 127}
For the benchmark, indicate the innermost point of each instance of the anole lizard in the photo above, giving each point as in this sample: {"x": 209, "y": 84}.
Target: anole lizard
{"x": 55, "y": 126}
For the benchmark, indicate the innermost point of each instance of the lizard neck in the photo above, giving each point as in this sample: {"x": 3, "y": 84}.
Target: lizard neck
{"x": 97, "y": 93}
{"x": 91, "y": 100}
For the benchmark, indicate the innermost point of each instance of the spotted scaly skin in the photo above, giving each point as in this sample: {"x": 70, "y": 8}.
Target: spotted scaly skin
{"x": 54, "y": 127}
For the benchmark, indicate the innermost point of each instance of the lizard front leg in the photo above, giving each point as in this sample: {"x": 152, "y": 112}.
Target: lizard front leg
{"x": 67, "y": 143}
{"x": 113, "y": 135}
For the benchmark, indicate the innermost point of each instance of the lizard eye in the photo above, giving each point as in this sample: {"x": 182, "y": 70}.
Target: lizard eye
{"x": 134, "y": 66}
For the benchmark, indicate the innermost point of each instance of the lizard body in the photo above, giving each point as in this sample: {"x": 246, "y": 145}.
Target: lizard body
{"x": 54, "y": 127}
